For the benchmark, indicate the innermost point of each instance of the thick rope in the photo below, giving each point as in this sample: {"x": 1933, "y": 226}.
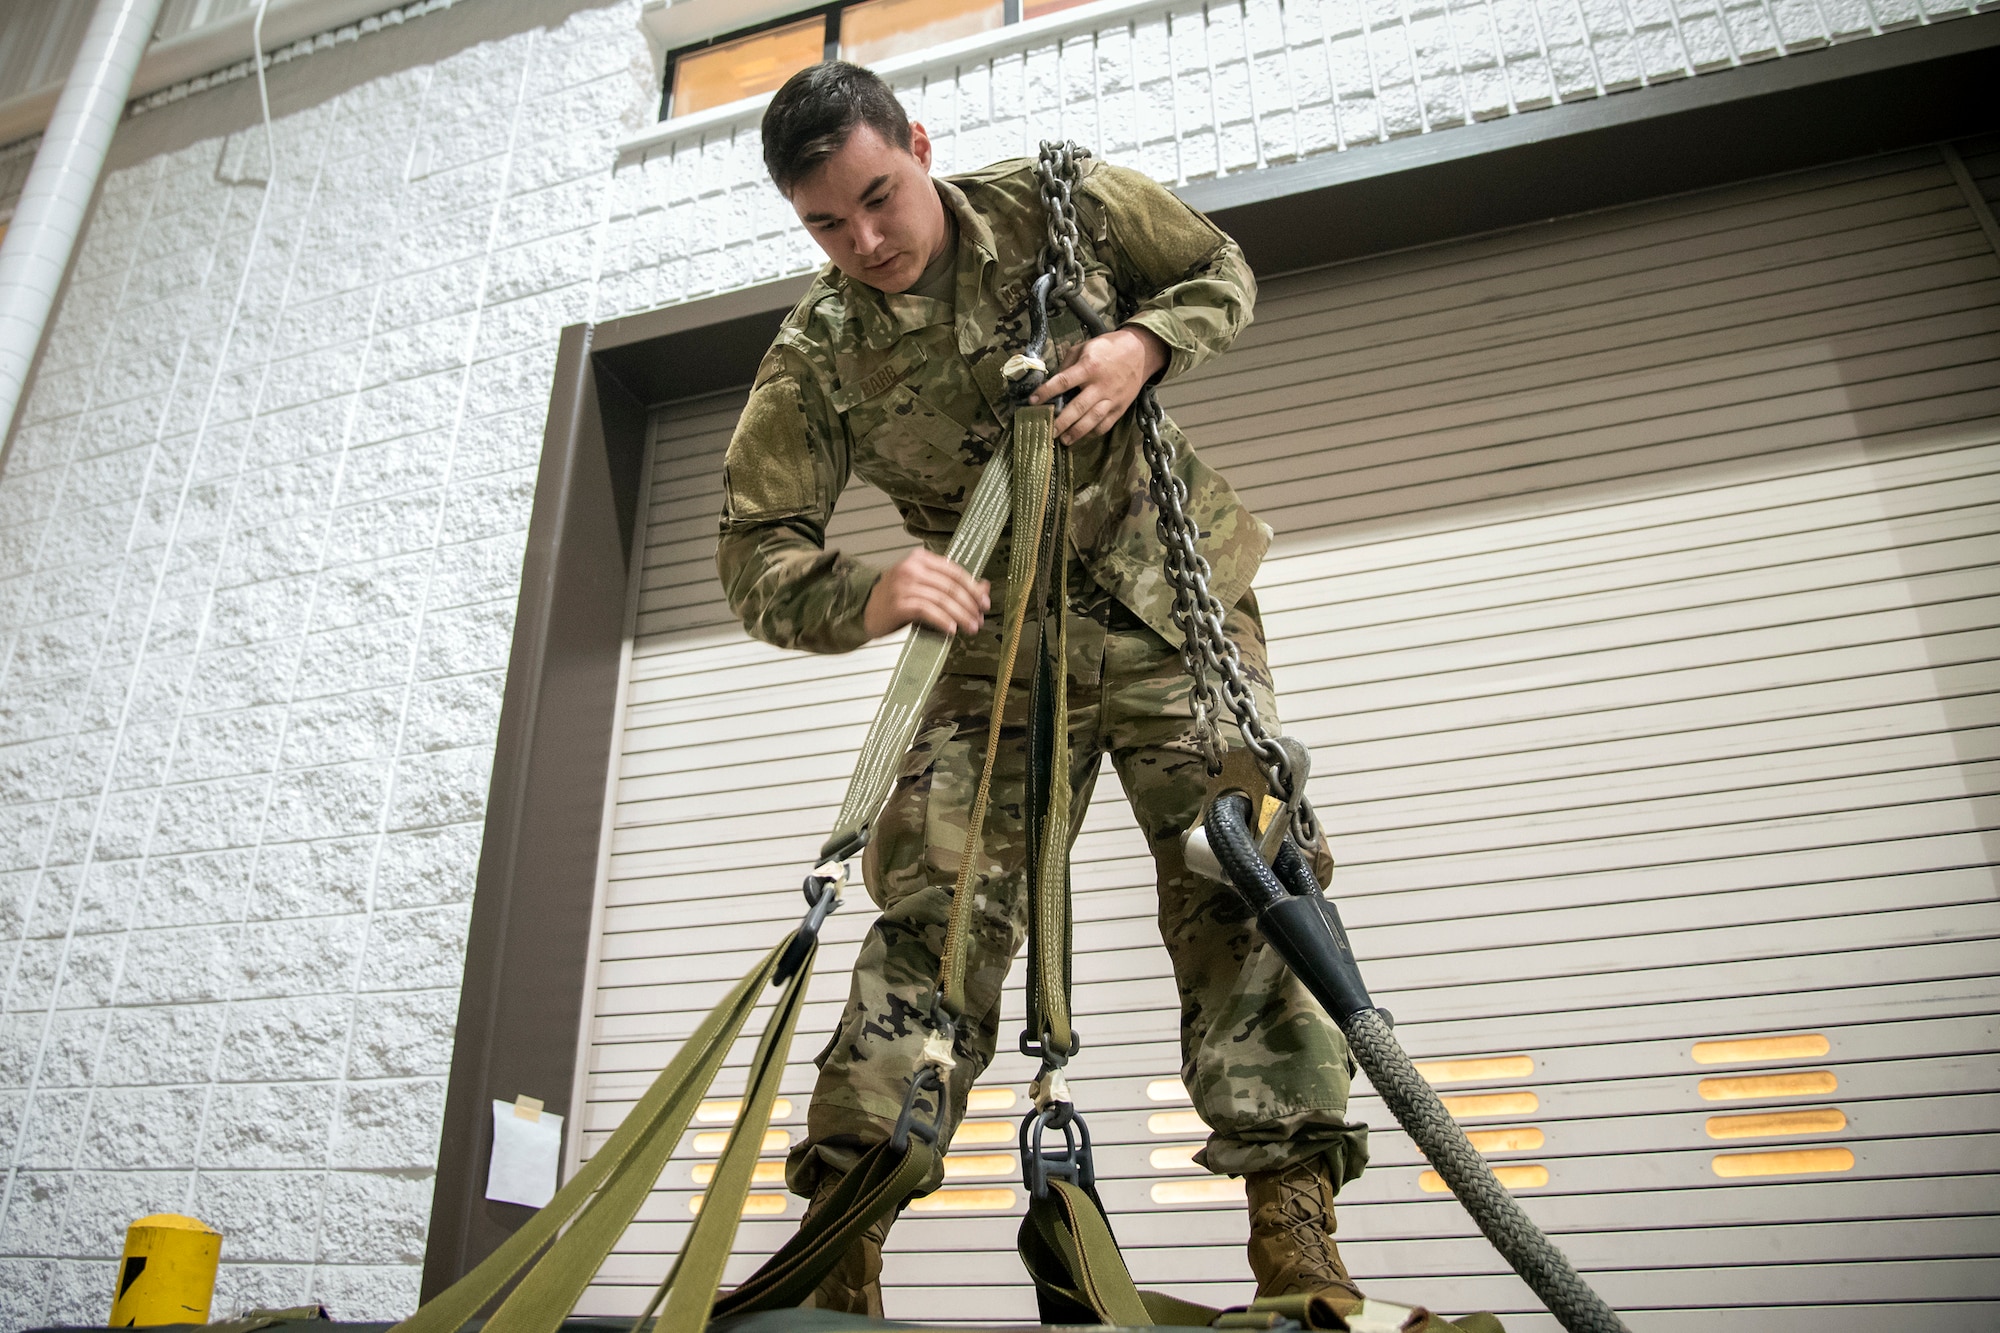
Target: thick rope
{"x": 1521, "y": 1243}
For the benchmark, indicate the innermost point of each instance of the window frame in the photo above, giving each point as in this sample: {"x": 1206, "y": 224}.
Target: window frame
{"x": 829, "y": 13}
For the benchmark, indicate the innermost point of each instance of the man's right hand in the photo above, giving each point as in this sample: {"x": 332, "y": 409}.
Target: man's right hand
{"x": 926, "y": 589}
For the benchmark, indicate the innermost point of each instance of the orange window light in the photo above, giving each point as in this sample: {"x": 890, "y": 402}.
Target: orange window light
{"x": 1778, "y": 1124}
{"x": 961, "y": 1164}
{"x": 1783, "y": 1162}
{"x": 1747, "y": 1087}
{"x": 1175, "y": 1122}
{"x": 765, "y": 1173}
{"x": 1034, "y": 9}
{"x": 747, "y": 66}
{"x": 984, "y": 1131}
{"x": 1473, "y": 1105}
{"x": 1216, "y": 1189}
{"x": 964, "y": 1201}
{"x": 1520, "y": 1138}
{"x": 1529, "y": 1177}
{"x": 756, "y": 1205}
{"x": 715, "y": 1140}
{"x": 990, "y": 1099}
{"x": 1754, "y": 1050}
{"x": 1480, "y": 1069}
{"x": 877, "y": 30}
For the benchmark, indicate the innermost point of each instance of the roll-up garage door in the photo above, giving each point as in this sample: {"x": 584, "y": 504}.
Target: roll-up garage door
{"x": 1635, "y": 592}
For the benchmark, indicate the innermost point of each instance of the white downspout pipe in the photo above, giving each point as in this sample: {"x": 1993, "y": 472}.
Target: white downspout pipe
{"x": 36, "y": 250}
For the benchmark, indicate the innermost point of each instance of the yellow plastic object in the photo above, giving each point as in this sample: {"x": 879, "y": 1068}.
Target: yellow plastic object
{"x": 167, "y": 1275}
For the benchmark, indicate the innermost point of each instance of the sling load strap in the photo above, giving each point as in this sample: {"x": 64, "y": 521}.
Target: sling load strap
{"x": 690, "y": 1285}
{"x": 1078, "y": 1273}
{"x": 1048, "y": 1031}
{"x": 1036, "y": 498}
{"x": 1080, "y": 1277}
{"x": 880, "y": 1183}
{"x": 605, "y": 1194}
{"x": 919, "y": 664}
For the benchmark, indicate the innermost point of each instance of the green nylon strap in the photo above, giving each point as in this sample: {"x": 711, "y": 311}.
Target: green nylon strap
{"x": 603, "y": 1196}
{"x": 1050, "y": 928}
{"x": 880, "y": 1183}
{"x": 689, "y": 1288}
{"x": 1033, "y": 478}
{"x": 919, "y": 665}
{"x": 1071, "y": 1255}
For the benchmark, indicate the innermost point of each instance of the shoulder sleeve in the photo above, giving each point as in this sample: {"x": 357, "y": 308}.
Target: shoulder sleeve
{"x": 1180, "y": 275}
{"x": 785, "y": 468}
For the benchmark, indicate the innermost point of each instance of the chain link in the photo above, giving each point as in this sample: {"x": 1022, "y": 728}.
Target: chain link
{"x": 1214, "y": 667}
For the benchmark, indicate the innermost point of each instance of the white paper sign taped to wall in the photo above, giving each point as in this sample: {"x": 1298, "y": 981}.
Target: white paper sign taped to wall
{"x": 527, "y": 1152}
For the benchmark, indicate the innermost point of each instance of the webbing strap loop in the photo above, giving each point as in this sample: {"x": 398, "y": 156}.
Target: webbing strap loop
{"x": 1034, "y": 467}
{"x": 1079, "y": 1275}
{"x": 879, "y": 1184}
{"x": 690, "y": 1286}
{"x": 919, "y": 665}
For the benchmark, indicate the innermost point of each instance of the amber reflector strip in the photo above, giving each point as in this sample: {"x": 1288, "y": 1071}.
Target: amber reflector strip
{"x": 879, "y": 29}
{"x": 1777, "y": 1124}
{"x": 1520, "y": 1138}
{"x": 974, "y": 1132}
{"x": 1749, "y": 1050}
{"x": 1175, "y": 1122}
{"x": 991, "y": 1099}
{"x": 1486, "y": 1068}
{"x": 747, "y": 66}
{"x": 756, "y": 1205}
{"x": 1788, "y": 1162}
{"x": 765, "y": 1173}
{"x": 1166, "y": 1090}
{"x": 715, "y": 1140}
{"x": 1513, "y": 1177}
{"x": 960, "y": 1164}
{"x": 1473, "y": 1105}
{"x": 1744, "y": 1087}
{"x": 725, "y": 1113}
{"x": 1216, "y": 1189}
{"x": 1176, "y": 1157}
{"x": 963, "y": 1201}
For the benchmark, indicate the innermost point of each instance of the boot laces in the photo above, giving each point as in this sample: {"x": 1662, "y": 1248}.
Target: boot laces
{"x": 1305, "y": 1219}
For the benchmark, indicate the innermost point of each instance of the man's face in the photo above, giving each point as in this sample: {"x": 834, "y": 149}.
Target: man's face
{"x": 873, "y": 209}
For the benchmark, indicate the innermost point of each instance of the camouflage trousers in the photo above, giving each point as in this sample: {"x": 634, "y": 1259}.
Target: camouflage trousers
{"x": 1267, "y": 1071}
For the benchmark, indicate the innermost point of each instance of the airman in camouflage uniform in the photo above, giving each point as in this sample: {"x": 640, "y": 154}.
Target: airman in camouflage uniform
{"x": 905, "y": 391}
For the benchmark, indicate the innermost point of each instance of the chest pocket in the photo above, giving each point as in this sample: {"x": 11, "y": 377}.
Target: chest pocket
{"x": 912, "y": 451}
{"x": 904, "y": 443}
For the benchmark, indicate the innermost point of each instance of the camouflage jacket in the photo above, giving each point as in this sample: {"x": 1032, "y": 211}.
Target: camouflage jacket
{"x": 906, "y": 393}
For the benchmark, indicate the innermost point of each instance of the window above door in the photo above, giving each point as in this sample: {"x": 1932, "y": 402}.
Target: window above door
{"x": 751, "y": 61}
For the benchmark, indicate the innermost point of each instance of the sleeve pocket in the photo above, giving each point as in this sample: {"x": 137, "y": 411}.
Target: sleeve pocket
{"x": 768, "y": 472}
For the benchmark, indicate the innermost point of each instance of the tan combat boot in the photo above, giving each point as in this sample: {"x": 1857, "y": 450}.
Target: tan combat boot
{"x": 1291, "y": 1235}
{"x": 855, "y": 1284}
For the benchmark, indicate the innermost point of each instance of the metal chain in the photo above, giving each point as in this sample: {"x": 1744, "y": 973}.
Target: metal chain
{"x": 1207, "y": 649}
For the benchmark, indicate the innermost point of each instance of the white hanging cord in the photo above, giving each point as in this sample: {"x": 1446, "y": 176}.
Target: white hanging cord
{"x": 264, "y": 93}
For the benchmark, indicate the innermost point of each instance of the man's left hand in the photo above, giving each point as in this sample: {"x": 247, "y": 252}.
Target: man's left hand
{"x": 1106, "y": 374}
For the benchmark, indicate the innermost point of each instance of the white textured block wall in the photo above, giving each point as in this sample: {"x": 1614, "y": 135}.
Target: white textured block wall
{"x": 260, "y": 542}
{"x": 261, "y": 531}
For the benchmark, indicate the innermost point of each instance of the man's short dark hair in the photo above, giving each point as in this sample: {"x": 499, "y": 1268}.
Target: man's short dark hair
{"x": 817, "y": 109}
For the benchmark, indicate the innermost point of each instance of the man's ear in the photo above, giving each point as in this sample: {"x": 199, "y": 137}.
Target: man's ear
{"x": 920, "y": 144}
